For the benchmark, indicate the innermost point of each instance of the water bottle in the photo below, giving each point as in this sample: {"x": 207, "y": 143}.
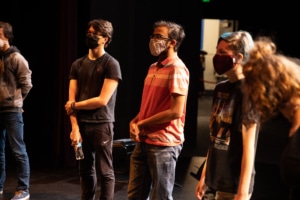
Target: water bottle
{"x": 78, "y": 151}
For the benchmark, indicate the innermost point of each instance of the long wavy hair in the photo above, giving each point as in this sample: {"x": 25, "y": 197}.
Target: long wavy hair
{"x": 271, "y": 79}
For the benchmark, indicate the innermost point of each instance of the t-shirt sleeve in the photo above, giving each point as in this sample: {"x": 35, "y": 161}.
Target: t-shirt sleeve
{"x": 180, "y": 80}
{"x": 114, "y": 69}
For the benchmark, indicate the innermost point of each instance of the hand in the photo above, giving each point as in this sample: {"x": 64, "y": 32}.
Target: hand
{"x": 75, "y": 137}
{"x": 201, "y": 189}
{"x": 68, "y": 107}
{"x": 134, "y": 131}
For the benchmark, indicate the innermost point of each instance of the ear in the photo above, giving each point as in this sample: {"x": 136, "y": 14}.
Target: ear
{"x": 173, "y": 42}
{"x": 105, "y": 39}
{"x": 240, "y": 58}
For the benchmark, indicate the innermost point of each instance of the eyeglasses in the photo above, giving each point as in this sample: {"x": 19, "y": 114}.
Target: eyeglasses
{"x": 159, "y": 37}
{"x": 95, "y": 34}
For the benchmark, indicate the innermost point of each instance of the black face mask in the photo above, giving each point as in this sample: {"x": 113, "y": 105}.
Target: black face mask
{"x": 91, "y": 41}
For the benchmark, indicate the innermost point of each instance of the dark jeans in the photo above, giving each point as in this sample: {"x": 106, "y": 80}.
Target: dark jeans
{"x": 152, "y": 168}
{"x": 97, "y": 163}
{"x": 11, "y": 126}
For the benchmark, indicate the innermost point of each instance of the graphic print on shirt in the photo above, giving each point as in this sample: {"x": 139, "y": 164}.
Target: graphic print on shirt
{"x": 221, "y": 120}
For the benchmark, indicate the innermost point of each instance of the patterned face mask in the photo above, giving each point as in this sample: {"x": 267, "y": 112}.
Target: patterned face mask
{"x": 157, "y": 46}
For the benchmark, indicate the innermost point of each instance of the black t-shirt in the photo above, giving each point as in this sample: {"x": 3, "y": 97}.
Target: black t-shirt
{"x": 90, "y": 75}
{"x": 226, "y": 145}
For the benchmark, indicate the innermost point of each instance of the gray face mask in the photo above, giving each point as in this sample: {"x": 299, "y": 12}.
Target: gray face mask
{"x": 157, "y": 46}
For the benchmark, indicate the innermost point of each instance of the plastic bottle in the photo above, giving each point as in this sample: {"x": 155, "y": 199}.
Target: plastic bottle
{"x": 78, "y": 151}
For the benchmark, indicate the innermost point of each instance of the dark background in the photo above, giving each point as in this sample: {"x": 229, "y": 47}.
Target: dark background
{"x": 51, "y": 35}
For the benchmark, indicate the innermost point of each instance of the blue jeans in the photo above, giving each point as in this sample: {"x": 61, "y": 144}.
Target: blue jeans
{"x": 11, "y": 126}
{"x": 97, "y": 141}
{"x": 152, "y": 172}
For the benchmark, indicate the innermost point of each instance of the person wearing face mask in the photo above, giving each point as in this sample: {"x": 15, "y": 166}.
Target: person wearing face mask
{"x": 229, "y": 167}
{"x": 15, "y": 85}
{"x": 94, "y": 79}
{"x": 158, "y": 128}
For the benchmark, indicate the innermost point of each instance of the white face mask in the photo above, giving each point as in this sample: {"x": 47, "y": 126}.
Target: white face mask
{"x": 157, "y": 46}
{"x": 2, "y": 43}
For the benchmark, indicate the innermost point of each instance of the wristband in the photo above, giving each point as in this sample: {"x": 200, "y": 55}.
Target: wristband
{"x": 73, "y": 105}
